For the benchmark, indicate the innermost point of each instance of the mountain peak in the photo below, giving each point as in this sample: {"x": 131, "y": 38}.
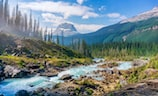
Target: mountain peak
{"x": 66, "y": 29}
{"x": 143, "y": 16}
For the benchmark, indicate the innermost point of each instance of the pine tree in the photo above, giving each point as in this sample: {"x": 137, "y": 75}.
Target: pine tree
{"x": 6, "y": 11}
{"x": 25, "y": 23}
{"x": 30, "y": 22}
{"x": 57, "y": 40}
{"x": 1, "y": 9}
{"x": 45, "y": 34}
{"x": 52, "y": 35}
{"x": 62, "y": 37}
{"x": 18, "y": 18}
{"x": 34, "y": 28}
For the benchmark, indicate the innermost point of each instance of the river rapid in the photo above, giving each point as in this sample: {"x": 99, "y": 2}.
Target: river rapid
{"x": 9, "y": 87}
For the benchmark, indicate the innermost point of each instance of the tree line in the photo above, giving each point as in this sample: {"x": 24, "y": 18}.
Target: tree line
{"x": 80, "y": 46}
{"x": 124, "y": 49}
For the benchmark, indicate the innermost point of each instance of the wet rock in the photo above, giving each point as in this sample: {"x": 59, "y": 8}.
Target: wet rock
{"x": 66, "y": 77}
{"x": 49, "y": 74}
{"x": 22, "y": 93}
{"x": 33, "y": 66}
{"x": 109, "y": 71}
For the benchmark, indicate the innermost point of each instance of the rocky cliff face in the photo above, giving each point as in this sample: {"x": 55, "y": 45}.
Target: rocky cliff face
{"x": 65, "y": 29}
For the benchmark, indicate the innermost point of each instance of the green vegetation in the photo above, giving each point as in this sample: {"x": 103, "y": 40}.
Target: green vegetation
{"x": 149, "y": 71}
{"x": 23, "y": 61}
{"x": 83, "y": 92}
{"x": 88, "y": 83}
{"x": 28, "y": 51}
{"x": 124, "y": 50}
{"x": 81, "y": 47}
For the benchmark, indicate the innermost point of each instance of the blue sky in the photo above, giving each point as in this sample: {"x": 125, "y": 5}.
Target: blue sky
{"x": 86, "y": 15}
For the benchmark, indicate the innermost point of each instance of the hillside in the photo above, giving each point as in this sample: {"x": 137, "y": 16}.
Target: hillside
{"x": 23, "y": 52}
{"x": 11, "y": 45}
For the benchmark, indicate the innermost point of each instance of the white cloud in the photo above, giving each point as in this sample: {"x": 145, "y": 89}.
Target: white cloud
{"x": 80, "y": 1}
{"x": 86, "y": 28}
{"x": 63, "y": 8}
{"x": 56, "y": 20}
{"x": 116, "y": 16}
{"x": 113, "y": 15}
{"x": 102, "y": 8}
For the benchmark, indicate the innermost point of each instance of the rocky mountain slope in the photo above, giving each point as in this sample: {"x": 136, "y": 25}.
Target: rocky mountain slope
{"x": 32, "y": 48}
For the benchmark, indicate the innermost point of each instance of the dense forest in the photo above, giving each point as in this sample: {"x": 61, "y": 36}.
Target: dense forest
{"x": 123, "y": 50}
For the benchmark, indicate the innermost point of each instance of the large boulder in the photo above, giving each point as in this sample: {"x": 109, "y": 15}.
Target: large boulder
{"x": 13, "y": 72}
{"x": 66, "y": 77}
{"x": 33, "y": 66}
{"x": 22, "y": 93}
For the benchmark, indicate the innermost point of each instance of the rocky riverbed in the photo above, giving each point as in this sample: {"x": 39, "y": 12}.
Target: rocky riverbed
{"x": 93, "y": 79}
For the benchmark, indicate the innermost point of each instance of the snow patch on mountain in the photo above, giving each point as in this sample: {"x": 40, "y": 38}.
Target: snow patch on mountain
{"x": 65, "y": 29}
{"x": 143, "y": 16}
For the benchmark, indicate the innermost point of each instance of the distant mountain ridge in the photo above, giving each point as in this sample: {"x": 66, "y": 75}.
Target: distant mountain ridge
{"x": 143, "y": 16}
{"x": 65, "y": 29}
{"x": 140, "y": 28}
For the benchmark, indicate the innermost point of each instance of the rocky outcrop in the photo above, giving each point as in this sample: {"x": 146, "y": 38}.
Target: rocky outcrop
{"x": 49, "y": 74}
{"x": 66, "y": 77}
{"x": 146, "y": 88}
{"x": 22, "y": 93}
{"x": 13, "y": 72}
{"x": 45, "y": 92}
{"x": 139, "y": 62}
{"x": 65, "y": 29}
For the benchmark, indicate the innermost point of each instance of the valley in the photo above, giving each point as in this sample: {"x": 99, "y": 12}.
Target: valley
{"x": 78, "y": 48}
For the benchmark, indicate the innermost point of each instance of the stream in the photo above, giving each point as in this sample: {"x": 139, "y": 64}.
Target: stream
{"x": 9, "y": 87}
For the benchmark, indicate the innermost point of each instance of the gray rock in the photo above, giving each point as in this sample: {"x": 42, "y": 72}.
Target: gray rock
{"x": 66, "y": 77}
{"x": 14, "y": 72}
{"x": 49, "y": 74}
{"x": 22, "y": 93}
